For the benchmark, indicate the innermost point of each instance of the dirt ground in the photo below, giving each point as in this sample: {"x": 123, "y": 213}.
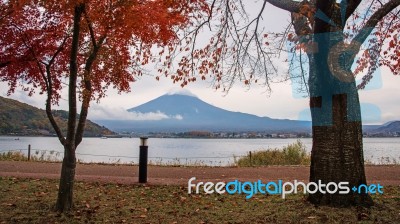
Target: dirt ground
{"x": 127, "y": 174}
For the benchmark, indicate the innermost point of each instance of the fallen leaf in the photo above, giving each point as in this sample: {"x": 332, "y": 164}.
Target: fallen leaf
{"x": 363, "y": 216}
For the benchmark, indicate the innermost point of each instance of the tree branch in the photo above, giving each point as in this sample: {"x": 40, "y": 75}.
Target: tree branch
{"x": 373, "y": 21}
{"x": 49, "y": 113}
{"x": 328, "y": 8}
{"x": 288, "y": 5}
{"x": 351, "y": 7}
{"x": 301, "y": 25}
{"x": 49, "y": 84}
{"x": 87, "y": 92}
{"x": 89, "y": 23}
{"x": 59, "y": 49}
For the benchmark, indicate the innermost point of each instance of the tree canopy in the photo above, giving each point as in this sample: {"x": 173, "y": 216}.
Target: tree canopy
{"x": 242, "y": 49}
{"x": 115, "y": 41}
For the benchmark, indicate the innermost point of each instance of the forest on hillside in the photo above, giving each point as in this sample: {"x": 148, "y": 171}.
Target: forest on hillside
{"x": 18, "y": 118}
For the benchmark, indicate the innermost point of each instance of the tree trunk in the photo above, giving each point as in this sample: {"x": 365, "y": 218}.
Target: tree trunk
{"x": 337, "y": 156}
{"x": 337, "y": 151}
{"x": 67, "y": 179}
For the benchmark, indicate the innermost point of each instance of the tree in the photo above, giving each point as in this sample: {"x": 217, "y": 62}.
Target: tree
{"x": 327, "y": 37}
{"x": 85, "y": 46}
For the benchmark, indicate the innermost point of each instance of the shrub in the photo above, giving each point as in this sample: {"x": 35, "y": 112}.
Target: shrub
{"x": 292, "y": 154}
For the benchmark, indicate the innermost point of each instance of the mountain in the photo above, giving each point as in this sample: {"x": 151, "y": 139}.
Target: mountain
{"x": 389, "y": 127}
{"x": 188, "y": 113}
{"x": 22, "y": 119}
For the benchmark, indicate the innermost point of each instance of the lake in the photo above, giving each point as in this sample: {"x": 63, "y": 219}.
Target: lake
{"x": 218, "y": 152}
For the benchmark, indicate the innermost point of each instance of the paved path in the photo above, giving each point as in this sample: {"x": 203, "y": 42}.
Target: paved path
{"x": 125, "y": 174}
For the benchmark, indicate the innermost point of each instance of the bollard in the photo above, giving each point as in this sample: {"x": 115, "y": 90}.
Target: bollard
{"x": 143, "y": 160}
{"x": 29, "y": 152}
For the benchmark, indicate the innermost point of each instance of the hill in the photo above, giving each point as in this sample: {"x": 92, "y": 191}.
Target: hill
{"x": 389, "y": 127}
{"x": 184, "y": 112}
{"x": 22, "y": 119}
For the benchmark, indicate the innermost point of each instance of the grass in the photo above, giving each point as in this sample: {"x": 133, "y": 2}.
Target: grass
{"x": 53, "y": 156}
{"x": 36, "y": 156}
{"x": 31, "y": 201}
{"x": 292, "y": 154}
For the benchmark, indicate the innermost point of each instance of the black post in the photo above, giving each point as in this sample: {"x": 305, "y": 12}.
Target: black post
{"x": 29, "y": 152}
{"x": 143, "y": 160}
{"x": 251, "y": 162}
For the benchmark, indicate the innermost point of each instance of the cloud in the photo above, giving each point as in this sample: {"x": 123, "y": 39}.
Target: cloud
{"x": 178, "y": 117}
{"x": 98, "y": 112}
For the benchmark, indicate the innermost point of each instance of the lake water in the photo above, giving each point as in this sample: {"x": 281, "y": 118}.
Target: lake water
{"x": 219, "y": 152}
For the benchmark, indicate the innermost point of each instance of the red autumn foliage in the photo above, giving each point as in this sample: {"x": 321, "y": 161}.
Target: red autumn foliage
{"x": 382, "y": 49}
{"x": 36, "y": 34}
{"x": 86, "y": 46}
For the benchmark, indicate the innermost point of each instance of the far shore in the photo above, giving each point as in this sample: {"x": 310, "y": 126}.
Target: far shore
{"x": 162, "y": 137}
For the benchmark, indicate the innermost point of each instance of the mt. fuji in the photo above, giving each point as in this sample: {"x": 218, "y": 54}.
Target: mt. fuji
{"x": 178, "y": 112}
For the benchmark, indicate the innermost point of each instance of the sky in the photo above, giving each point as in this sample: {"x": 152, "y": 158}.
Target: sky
{"x": 280, "y": 103}
{"x": 380, "y": 102}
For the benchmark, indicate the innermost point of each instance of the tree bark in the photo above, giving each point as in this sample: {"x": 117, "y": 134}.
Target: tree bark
{"x": 337, "y": 156}
{"x": 337, "y": 151}
{"x": 67, "y": 180}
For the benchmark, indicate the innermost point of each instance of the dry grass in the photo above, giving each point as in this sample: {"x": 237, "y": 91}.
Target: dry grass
{"x": 36, "y": 156}
{"x": 31, "y": 201}
{"x": 293, "y": 154}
